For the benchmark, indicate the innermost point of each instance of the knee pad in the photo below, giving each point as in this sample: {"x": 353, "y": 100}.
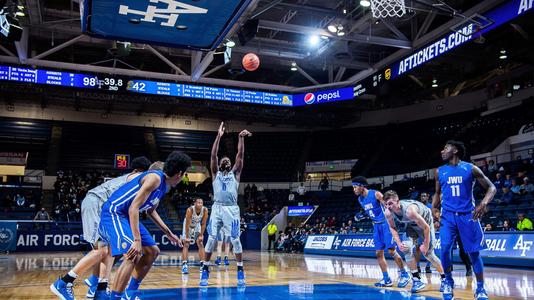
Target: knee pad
{"x": 210, "y": 244}
{"x": 236, "y": 242}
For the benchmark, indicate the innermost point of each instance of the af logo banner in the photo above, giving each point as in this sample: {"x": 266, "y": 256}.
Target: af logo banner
{"x": 8, "y": 236}
{"x": 176, "y": 23}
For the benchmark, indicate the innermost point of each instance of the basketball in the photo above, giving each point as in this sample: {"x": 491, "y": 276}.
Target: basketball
{"x": 251, "y": 62}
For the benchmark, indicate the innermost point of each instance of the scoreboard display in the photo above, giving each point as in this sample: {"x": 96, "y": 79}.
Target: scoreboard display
{"x": 113, "y": 83}
{"x": 122, "y": 161}
{"x": 66, "y": 79}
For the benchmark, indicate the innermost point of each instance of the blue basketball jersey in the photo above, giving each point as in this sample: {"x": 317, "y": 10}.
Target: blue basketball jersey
{"x": 457, "y": 187}
{"x": 119, "y": 202}
{"x": 372, "y": 207}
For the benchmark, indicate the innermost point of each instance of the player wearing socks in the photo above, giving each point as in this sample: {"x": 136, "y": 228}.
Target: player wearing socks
{"x": 195, "y": 220}
{"x": 225, "y": 213}
{"x": 372, "y": 202}
{"x": 419, "y": 225}
{"x": 223, "y": 239}
{"x": 120, "y": 226}
{"x": 459, "y": 215}
{"x": 98, "y": 258}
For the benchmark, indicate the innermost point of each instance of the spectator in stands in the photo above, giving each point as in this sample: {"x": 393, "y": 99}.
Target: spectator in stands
{"x": 425, "y": 197}
{"x": 42, "y": 215}
{"x": 323, "y": 184}
{"x": 507, "y": 196}
{"x": 247, "y": 192}
{"x": 527, "y": 187}
{"x": 508, "y": 181}
{"x": 291, "y": 197}
{"x": 58, "y": 213}
{"x": 254, "y": 191}
{"x": 301, "y": 190}
{"x": 281, "y": 243}
{"x": 75, "y": 214}
{"x": 498, "y": 182}
{"x": 289, "y": 228}
{"x": 506, "y": 226}
{"x": 492, "y": 167}
{"x": 515, "y": 188}
{"x": 20, "y": 201}
{"x": 488, "y": 227}
{"x": 185, "y": 181}
{"x": 271, "y": 233}
{"x": 413, "y": 193}
{"x": 523, "y": 223}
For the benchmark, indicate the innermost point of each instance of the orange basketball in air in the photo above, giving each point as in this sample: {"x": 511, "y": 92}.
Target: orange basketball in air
{"x": 251, "y": 62}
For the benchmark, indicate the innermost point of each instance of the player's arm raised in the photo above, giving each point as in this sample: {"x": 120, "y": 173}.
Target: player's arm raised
{"x": 148, "y": 185}
{"x": 436, "y": 198}
{"x": 155, "y": 217}
{"x": 214, "y": 161}
{"x": 203, "y": 225}
{"x": 393, "y": 229}
{"x": 484, "y": 181}
{"x": 413, "y": 214}
{"x": 238, "y": 166}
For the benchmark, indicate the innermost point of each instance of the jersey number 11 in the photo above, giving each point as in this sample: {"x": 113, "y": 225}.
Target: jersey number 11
{"x": 455, "y": 190}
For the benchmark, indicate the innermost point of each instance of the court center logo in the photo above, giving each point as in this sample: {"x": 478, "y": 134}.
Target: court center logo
{"x": 309, "y": 98}
{"x": 169, "y": 14}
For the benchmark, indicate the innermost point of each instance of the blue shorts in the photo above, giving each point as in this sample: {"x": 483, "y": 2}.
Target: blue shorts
{"x": 382, "y": 236}
{"x": 462, "y": 225}
{"x": 114, "y": 229}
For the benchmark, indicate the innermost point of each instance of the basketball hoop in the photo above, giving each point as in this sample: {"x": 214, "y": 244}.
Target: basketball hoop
{"x": 387, "y": 8}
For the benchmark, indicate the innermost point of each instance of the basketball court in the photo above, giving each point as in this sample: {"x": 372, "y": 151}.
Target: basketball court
{"x": 256, "y": 63}
{"x": 269, "y": 276}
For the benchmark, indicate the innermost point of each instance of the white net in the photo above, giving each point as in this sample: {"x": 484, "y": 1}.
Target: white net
{"x": 387, "y": 8}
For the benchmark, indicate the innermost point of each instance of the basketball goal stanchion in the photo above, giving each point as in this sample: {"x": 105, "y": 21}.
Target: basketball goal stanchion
{"x": 382, "y": 9}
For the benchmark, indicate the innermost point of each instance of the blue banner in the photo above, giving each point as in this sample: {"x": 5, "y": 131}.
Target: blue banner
{"x": 517, "y": 245}
{"x": 185, "y": 24}
{"x": 492, "y": 19}
{"x": 39, "y": 240}
{"x": 320, "y": 97}
{"x": 299, "y": 211}
{"x": 8, "y": 236}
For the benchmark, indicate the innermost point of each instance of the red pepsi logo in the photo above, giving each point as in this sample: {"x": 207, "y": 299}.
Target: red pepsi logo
{"x": 309, "y": 98}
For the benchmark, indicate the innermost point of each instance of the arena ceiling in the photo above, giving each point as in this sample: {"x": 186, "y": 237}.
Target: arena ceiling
{"x": 53, "y": 39}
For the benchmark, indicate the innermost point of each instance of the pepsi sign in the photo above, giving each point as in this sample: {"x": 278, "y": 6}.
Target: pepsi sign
{"x": 320, "y": 97}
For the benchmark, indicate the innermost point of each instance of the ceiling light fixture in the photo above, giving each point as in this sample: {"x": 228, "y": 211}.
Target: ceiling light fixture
{"x": 365, "y": 3}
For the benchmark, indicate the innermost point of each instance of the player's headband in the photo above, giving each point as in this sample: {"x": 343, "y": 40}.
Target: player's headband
{"x": 354, "y": 184}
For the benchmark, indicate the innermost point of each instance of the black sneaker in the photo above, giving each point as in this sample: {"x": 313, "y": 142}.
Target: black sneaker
{"x": 469, "y": 272}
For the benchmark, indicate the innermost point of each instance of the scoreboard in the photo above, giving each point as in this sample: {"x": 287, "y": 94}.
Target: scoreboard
{"x": 58, "y": 78}
{"x": 112, "y": 83}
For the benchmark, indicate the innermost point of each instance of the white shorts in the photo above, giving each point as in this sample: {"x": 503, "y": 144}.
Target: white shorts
{"x": 193, "y": 234}
{"x": 225, "y": 218}
{"x": 91, "y": 208}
